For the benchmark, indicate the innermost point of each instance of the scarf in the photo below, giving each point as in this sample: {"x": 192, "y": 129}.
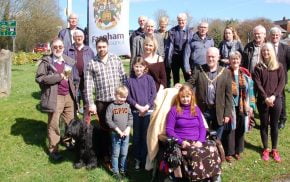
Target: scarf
{"x": 228, "y": 47}
{"x": 242, "y": 90}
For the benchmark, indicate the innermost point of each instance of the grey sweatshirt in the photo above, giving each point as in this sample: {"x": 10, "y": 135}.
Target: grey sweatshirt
{"x": 119, "y": 115}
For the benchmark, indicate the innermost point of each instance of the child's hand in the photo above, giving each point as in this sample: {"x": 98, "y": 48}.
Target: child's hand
{"x": 127, "y": 131}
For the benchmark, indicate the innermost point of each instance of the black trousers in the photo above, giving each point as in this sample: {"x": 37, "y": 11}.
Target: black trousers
{"x": 176, "y": 65}
{"x": 233, "y": 140}
{"x": 104, "y": 137}
{"x": 283, "y": 115}
{"x": 269, "y": 116}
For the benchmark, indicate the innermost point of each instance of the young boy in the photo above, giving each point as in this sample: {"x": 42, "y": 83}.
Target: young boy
{"x": 120, "y": 120}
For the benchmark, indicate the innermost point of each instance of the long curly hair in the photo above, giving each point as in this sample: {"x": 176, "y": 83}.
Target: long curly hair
{"x": 187, "y": 90}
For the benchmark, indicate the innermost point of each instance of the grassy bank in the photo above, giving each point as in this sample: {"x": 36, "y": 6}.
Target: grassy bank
{"x": 23, "y": 144}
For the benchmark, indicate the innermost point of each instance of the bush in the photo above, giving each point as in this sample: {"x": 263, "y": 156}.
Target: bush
{"x": 24, "y": 58}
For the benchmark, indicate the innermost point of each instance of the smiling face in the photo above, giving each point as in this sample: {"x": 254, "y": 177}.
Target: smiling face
{"x": 202, "y": 29}
{"x": 138, "y": 69}
{"x": 57, "y": 48}
{"x": 259, "y": 35}
{"x": 275, "y": 37}
{"x": 79, "y": 39}
{"x": 212, "y": 57}
{"x": 235, "y": 62}
{"x": 181, "y": 22}
{"x": 149, "y": 47}
{"x": 73, "y": 21}
{"x": 120, "y": 99}
{"x": 229, "y": 36}
{"x": 102, "y": 49}
{"x": 266, "y": 54}
{"x": 149, "y": 28}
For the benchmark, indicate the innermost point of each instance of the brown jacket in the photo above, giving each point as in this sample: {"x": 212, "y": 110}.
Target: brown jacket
{"x": 48, "y": 80}
{"x": 223, "y": 98}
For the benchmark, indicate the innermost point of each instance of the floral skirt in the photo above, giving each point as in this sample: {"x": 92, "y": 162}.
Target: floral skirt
{"x": 201, "y": 162}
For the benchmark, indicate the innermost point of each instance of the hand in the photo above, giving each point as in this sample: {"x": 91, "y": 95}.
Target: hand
{"x": 197, "y": 144}
{"x": 185, "y": 144}
{"x": 225, "y": 61}
{"x": 93, "y": 109}
{"x": 226, "y": 119}
{"x": 269, "y": 102}
{"x": 63, "y": 76}
{"x": 127, "y": 131}
{"x": 178, "y": 85}
{"x": 188, "y": 72}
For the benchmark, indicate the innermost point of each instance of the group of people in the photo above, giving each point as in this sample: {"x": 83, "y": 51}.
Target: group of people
{"x": 224, "y": 86}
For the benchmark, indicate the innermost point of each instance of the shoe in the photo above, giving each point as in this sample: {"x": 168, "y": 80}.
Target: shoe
{"x": 237, "y": 156}
{"x": 55, "y": 156}
{"x": 276, "y": 156}
{"x": 265, "y": 155}
{"x": 229, "y": 158}
{"x": 124, "y": 174}
{"x": 137, "y": 165}
{"x": 117, "y": 177}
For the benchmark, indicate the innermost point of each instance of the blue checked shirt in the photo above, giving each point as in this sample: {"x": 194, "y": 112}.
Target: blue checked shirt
{"x": 104, "y": 77}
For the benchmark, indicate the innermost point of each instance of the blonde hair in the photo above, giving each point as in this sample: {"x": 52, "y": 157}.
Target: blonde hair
{"x": 148, "y": 40}
{"x": 272, "y": 63}
{"x": 122, "y": 90}
{"x": 186, "y": 89}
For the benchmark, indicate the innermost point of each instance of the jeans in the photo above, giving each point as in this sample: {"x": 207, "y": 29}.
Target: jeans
{"x": 119, "y": 152}
{"x": 140, "y": 126}
{"x": 210, "y": 117}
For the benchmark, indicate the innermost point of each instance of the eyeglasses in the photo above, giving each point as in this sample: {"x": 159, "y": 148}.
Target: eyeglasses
{"x": 58, "y": 47}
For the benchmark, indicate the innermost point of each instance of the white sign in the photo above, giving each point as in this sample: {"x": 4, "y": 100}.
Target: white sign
{"x": 110, "y": 19}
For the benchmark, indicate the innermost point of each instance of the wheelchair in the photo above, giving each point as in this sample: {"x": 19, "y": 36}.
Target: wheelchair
{"x": 195, "y": 164}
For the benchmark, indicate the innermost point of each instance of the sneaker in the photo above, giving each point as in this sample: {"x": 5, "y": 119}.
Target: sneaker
{"x": 265, "y": 155}
{"x": 137, "y": 165}
{"x": 55, "y": 156}
{"x": 276, "y": 156}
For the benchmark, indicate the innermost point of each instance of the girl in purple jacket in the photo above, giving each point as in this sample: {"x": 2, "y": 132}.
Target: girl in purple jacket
{"x": 142, "y": 92}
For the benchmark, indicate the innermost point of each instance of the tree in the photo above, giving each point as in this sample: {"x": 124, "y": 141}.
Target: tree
{"x": 37, "y": 21}
{"x": 158, "y": 14}
{"x": 216, "y": 29}
{"x": 245, "y": 28}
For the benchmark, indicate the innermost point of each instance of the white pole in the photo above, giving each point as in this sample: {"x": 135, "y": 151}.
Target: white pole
{"x": 69, "y": 8}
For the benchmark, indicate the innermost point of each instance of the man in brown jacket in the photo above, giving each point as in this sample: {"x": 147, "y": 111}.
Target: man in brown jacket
{"x": 57, "y": 92}
{"x": 213, "y": 87}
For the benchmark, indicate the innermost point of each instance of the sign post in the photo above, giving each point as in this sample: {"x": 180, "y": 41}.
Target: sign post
{"x": 8, "y": 29}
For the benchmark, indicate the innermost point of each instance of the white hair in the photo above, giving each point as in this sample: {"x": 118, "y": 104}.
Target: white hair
{"x": 142, "y": 17}
{"x": 150, "y": 21}
{"x": 78, "y": 33}
{"x": 203, "y": 23}
{"x": 72, "y": 15}
{"x": 260, "y": 27}
{"x": 275, "y": 30}
{"x": 182, "y": 16}
{"x": 213, "y": 49}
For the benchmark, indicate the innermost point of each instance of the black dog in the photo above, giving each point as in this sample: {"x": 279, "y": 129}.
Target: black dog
{"x": 82, "y": 133}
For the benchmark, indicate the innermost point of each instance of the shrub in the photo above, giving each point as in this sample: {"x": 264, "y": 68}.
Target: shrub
{"x": 24, "y": 58}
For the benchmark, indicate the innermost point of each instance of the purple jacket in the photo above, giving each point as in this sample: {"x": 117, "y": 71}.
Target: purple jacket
{"x": 142, "y": 90}
{"x": 88, "y": 54}
{"x": 185, "y": 126}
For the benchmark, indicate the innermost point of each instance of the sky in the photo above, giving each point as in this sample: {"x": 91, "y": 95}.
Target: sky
{"x": 198, "y": 9}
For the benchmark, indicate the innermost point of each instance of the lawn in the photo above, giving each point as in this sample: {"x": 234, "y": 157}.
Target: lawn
{"x": 23, "y": 144}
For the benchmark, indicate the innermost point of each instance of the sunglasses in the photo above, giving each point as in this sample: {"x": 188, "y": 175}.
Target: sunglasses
{"x": 58, "y": 47}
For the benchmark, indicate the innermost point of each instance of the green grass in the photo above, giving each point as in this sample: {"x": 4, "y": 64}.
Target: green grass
{"x": 23, "y": 144}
